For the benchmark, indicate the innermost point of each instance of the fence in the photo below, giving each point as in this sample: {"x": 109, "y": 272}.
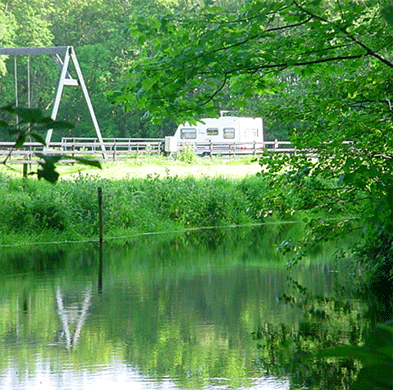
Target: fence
{"x": 239, "y": 148}
{"x": 125, "y": 148}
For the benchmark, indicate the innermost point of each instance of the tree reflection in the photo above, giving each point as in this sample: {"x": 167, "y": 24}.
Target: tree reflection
{"x": 182, "y": 309}
{"x": 376, "y": 353}
{"x": 327, "y": 320}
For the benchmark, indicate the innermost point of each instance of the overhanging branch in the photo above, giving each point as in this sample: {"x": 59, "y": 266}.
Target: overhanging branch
{"x": 286, "y": 65}
{"x": 369, "y": 51}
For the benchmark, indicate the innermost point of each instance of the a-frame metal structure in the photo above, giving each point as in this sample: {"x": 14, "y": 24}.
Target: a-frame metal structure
{"x": 62, "y": 56}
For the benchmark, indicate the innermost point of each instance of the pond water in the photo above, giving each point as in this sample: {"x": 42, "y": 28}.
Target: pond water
{"x": 204, "y": 310}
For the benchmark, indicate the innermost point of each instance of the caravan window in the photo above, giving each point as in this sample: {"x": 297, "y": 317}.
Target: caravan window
{"x": 251, "y": 133}
{"x": 188, "y": 133}
{"x": 212, "y": 131}
{"x": 229, "y": 133}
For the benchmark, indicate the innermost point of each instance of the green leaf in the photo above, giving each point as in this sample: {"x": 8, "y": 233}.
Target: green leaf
{"x": 29, "y": 115}
{"x": 50, "y": 160}
{"x": 346, "y": 351}
{"x": 38, "y": 138}
{"x": 388, "y": 328}
{"x": 3, "y": 124}
{"x": 20, "y": 141}
{"x": 48, "y": 173}
{"x": 8, "y": 108}
{"x": 92, "y": 163}
{"x": 48, "y": 123}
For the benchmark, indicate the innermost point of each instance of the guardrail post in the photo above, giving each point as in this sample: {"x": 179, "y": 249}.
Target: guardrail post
{"x": 114, "y": 151}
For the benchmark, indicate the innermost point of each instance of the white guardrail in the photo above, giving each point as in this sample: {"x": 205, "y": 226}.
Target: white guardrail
{"x": 124, "y": 148}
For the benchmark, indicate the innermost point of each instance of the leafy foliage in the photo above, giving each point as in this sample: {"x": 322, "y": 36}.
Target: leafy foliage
{"x": 187, "y": 154}
{"x": 323, "y": 69}
{"x": 30, "y": 122}
{"x": 188, "y": 58}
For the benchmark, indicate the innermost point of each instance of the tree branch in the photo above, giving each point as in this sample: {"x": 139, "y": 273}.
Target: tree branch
{"x": 248, "y": 39}
{"x": 216, "y": 92}
{"x": 369, "y": 51}
{"x": 286, "y": 65}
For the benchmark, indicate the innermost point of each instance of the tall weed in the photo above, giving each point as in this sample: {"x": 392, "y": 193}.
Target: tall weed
{"x": 187, "y": 154}
{"x": 70, "y": 208}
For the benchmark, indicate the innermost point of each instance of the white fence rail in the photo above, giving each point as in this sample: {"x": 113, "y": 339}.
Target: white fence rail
{"x": 124, "y": 148}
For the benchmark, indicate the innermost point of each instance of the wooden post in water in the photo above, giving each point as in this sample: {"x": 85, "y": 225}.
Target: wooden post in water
{"x": 100, "y": 220}
{"x": 101, "y": 239}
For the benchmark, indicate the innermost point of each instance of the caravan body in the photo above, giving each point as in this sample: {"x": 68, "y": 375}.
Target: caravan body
{"x": 222, "y": 129}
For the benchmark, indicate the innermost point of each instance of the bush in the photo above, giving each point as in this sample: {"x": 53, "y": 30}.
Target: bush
{"x": 188, "y": 154}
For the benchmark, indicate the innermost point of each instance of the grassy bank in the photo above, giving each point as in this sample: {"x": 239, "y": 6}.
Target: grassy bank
{"x": 36, "y": 211}
{"x": 144, "y": 195}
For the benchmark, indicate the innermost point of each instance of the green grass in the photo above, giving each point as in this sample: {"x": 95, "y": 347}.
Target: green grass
{"x": 36, "y": 211}
{"x": 144, "y": 165}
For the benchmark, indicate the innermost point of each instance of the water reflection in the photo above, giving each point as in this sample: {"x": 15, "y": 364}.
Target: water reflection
{"x": 119, "y": 376}
{"x": 71, "y": 316}
{"x": 201, "y": 312}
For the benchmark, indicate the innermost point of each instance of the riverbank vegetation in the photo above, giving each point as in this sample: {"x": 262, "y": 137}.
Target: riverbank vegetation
{"x": 37, "y": 211}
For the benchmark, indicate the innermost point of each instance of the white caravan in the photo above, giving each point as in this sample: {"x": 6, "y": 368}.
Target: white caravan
{"x": 227, "y": 129}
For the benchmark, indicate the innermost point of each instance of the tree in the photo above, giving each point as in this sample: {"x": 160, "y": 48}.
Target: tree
{"x": 189, "y": 58}
{"x": 7, "y": 33}
{"x": 30, "y": 24}
{"x": 94, "y": 29}
{"x": 322, "y": 68}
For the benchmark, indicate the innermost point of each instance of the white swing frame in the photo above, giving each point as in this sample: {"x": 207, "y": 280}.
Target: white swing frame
{"x": 65, "y": 79}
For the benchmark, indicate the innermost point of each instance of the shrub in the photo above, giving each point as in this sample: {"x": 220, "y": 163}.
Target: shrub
{"x": 188, "y": 154}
